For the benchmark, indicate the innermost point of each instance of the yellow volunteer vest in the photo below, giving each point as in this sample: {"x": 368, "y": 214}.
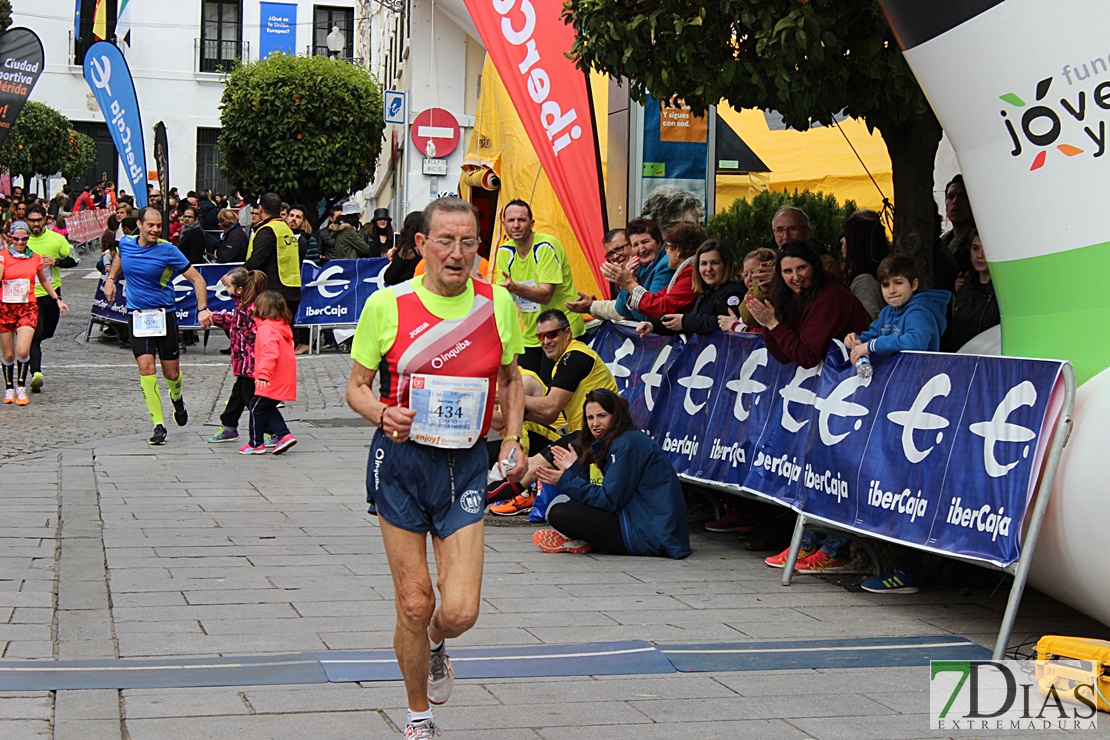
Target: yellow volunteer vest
{"x": 599, "y": 377}
{"x": 288, "y": 253}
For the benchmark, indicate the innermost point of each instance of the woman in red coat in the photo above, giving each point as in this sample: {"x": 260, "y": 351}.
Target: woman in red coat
{"x": 275, "y": 374}
{"x": 679, "y": 296}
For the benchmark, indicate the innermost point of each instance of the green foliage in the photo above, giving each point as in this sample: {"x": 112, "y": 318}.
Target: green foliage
{"x": 80, "y": 156}
{"x": 746, "y": 225}
{"x": 37, "y": 143}
{"x": 303, "y": 127}
{"x": 5, "y": 15}
{"x": 807, "y": 60}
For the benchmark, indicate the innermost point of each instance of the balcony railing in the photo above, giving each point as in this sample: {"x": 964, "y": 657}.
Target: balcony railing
{"x": 219, "y": 55}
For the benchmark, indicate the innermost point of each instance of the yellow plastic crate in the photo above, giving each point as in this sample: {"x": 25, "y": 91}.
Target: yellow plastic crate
{"x": 1065, "y": 662}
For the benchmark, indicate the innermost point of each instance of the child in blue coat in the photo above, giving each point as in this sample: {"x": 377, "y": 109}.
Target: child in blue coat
{"x": 911, "y": 320}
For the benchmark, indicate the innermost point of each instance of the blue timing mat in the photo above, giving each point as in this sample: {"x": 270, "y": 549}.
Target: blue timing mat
{"x": 634, "y": 657}
{"x": 534, "y": 661}
{"x": 858, "y": 652}
{"x": 159, "y": 673}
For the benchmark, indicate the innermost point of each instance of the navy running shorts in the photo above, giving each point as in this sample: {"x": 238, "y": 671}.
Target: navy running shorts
{"x": 426, "y": 489}
{"x": 167, "y": 347}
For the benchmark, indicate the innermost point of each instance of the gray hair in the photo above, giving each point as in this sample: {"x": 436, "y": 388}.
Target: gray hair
{"x": 449, "y": 204}
{"x": 667, "y": 205}
{"x": 792, "y": 209}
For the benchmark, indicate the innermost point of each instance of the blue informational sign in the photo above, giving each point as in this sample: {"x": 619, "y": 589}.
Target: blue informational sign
{"x": 938, "y": 451}
{"x": 394, "y": 102}
{"x": 109, "y": 78}
{"x": 675, "y": 149}
{"x": 277, "y": 29}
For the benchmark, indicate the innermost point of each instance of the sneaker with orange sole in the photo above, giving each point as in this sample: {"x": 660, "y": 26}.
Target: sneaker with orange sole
{"x": 549, "y": 540}
{"x": 779, "y": 561}
{"x": 516, "y": 506}
{"x": 820, "y": 562}
{"x": 21, "y": 398}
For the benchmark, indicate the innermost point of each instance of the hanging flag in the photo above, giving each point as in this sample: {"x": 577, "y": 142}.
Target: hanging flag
{"x": 107, "y": 73}
{"x": 123, "y": 25}
{"x": 528, "y": 43}
{"x": 21, "y": 51}
{"x": 100, "y": 20}
{"x": 77, "y": 21}
{"x": 162, "y": 164}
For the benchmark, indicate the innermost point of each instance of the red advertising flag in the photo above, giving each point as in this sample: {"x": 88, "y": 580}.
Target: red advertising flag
{"x": 528, "y": 43}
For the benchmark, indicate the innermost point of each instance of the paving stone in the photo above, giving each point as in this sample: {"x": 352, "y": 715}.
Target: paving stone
{"x": 23, "y": 729}
{"x": 292, "y": 726}
{"x": 80, "y": 704}
{"x": 87, "y": 729}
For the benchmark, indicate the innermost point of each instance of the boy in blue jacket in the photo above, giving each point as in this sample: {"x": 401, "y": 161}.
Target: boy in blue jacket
{"x": 911, "y": 320}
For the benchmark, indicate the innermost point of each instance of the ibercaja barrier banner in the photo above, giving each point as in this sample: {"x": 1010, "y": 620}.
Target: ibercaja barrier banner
{"x": 331, "y": 295}
{"x": 938, "y": 451}
{"x": 21, "y": 54}
{"x": 109, "y": 78}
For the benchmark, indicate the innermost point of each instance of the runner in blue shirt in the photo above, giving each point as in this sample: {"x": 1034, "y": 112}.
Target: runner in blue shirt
{"x": 150, "y": 264}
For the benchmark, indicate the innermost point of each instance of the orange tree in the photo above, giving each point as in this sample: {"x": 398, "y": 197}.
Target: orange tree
{"x": 808, "y": 59}
{"x": 307, "y": 128}
{"x": 38, "y": 142}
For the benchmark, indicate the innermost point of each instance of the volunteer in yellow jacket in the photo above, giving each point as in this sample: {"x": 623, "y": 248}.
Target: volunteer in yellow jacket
{"x": 444, "y": 345}
{"x": 275, "y": 250}
{"x": 535, "y": 269}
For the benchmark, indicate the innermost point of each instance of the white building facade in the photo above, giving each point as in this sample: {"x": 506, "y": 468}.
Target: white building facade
{"x": 176, "y": 52}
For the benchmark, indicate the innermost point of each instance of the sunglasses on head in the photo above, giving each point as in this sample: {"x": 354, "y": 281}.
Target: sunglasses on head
{"x": 552, "y": 335}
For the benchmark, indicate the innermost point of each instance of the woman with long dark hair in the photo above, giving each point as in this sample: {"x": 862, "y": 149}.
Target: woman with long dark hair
{"x": 404, "y": 258}
{"x": 718, "y": 283}
{"x": 808, "y": 308}
{"x": 864, "y": 245}
{"x": 625, "y": 497}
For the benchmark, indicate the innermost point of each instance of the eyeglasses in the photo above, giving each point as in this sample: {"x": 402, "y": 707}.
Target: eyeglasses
{"x": 34, "y": 220}
{"x": 468, "y": 245}
{"x": 791, "y": 230}
{"x": 550, "y": 335}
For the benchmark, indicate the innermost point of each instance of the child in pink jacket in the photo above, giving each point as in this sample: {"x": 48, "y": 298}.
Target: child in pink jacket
{"x": 275, "y": 374}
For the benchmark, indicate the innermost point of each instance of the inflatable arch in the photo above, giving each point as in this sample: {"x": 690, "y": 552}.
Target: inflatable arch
{"x": 1022, "y": 89}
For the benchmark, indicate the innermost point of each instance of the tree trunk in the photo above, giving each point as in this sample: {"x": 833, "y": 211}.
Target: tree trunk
{"x": 912, "y": 147}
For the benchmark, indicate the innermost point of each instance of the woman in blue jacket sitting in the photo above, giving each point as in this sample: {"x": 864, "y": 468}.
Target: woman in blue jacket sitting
{"x": 625, "y": 497}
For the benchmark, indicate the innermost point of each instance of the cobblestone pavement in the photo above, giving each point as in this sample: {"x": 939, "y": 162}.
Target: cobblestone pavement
{"x": 112, "y": 549}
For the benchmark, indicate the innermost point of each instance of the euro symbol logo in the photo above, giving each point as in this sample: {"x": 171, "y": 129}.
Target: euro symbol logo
{"x": 324, "y": 282}
{"x": 999, "y": 430}
{"x": 102, "y": 75}
{"x": 794, "y": 391}
{"x": 620, "y": 372}
{"x": 746, "y": 384}
{"x": 917, "y": 418}
{"x": 654, "y": 378}
{"x": 181, "y": 288}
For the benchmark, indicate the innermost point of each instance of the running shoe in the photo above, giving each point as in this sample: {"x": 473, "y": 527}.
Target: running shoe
{"x": 441, "y": 676}
{"x": 159, "y": 436}
{"x": 36, "y": 383}
{"x": 733, "y": 521}
{"x": 820, "y": 562}
{"x": 549, "y": 540}
{"x": 248, "y": 450}
{"x": 9, "y": 395}
{"x": 283, "y": 443}
{"x": 224, "y": 435}
{"x": 779, "y": 561}
{"x": 894, "y": 582}
{"x": 180, "y": 415}
{"x": 268, "y": 440}
{"x": 503, "y": 492}
{"x": 521, "y": 504}
{"x": 21, "y": 396}
{"x": 421, "y": 730}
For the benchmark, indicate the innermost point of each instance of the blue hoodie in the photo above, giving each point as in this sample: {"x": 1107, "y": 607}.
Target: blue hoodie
{"x": 653, "y": 277}
{"x": 917, "y": 325}
{"x": 642, "y": 489}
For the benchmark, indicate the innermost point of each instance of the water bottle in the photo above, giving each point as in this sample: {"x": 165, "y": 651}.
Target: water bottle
{"x": 863, "y": 367}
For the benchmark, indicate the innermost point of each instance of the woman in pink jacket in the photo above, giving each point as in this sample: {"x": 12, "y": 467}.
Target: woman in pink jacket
{"x": 275, "y": 374}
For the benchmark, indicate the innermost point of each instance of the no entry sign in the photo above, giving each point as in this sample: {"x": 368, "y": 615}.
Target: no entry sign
{"x": 438, "y": 127}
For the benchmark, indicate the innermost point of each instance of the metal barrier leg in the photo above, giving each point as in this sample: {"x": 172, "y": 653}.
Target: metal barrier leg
{"x": 795, "y": 546}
